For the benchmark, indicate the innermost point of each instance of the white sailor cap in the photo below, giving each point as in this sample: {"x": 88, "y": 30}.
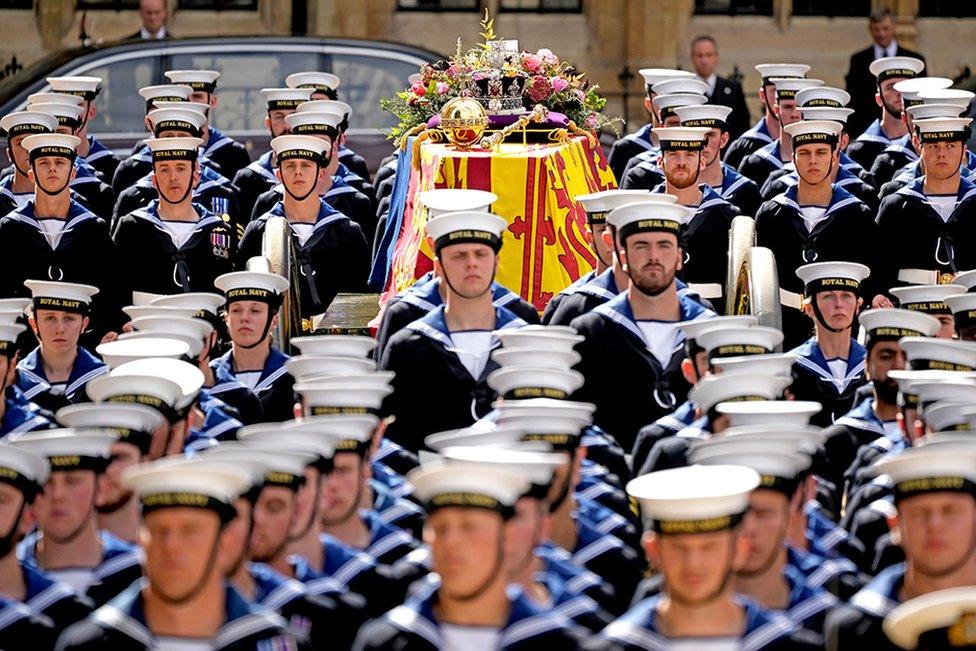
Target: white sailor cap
{"x": 236, "y": 454}
{"x": 55, "y": 98}
{"x": 927, "y": 299}
{"x": 963, "y": 308}
{"x": 740, "y": 387}
{"x": 314, "y": 123}
{"x": 649, "y": 217}
{"x": 278, "y": 99}
{"x": 656, "y": 75}
{"x": 68, "y": 449}
{"x": 445, "y": 200}
{"x": 771, "y": 364}
{"x": 27, "y": 122}
{"x": 8, "y": 338}
{"x": 200, "y": 301}
{"x": 822, "y": 96}
{"x": 159, "y": 393}
{"x": 779, "y": 469}
{"x": 85, "y": 87}
{"x": 808, "y": 132}
{"x": 936, "y": 354}
{"x": 252, "y": 286}
{"x": 966, "y": 279}
{"x": 324, "y": 82}
{"x": 932, "y": 129}
{"x": 535, "y": 467}
{"x": 681, "y": 138}
{"x": 666, "y": 104}
{"x": 66, "y": 113}
{"x": 338, "y": 345}
{"x": 942, "y": 619}
{"x": 176, "y": 119}
{"x": 351, "y": 432}
{"x": 335, "y": 396}
{"x": 805, "y": 439}
{"x": 927, "y": 469}
{"x": 520, "y": 382}
{"x": 467, "y": 227}
{"x": 832, "y": 276}
{"x": 307, "y": 147}
{"x": 188, "y": 483}
{"x": 788, "y": 87}
{"x": 689, "y": 85}
{"x": 199, "y": 80}
{"x": 709, "y": 116}
{"x": 24, "y": 469}
{"x": 901, "y": 67}
{"x": 508, "y": 357}
{"x": 560, "y": 431}
{"x": 187, "y": 376}
{"x": 65, "y": 297}
{"x": 788, "y": 413}
{"x": 328, "y": 106}
{"x": 166, "y": 325}
{"x": 956, "y": 390}
{"x": 145, "y": 298}
{"x": 927, "y": 111}
{"x": 51, "y": 144}
{"x": 769, "y": 71}
{"x": 288, "y": 436}
{"x": 910, "y": 88}
{"x": 132, "y": 423}
{"x": 466, "y": 486}
{"x": 736, "y": 341}
{"x": 818, "y": 113}
{"x": 121, "y": 351}
{"x": 694, "y": 499}
{"x": 194, "y": 344}
{"x": 956, "y": 96}
{"x": 691, "y": 329}
{"x": 277, "y": 466}
{"x": 892, "y": 324}
{"x": 508, "y": 436}
{"x": 575, "y": 415}
{"x": 539, "y": 337}
{"x": 164, "y": 93}
{"x": 303, "y": 367}
{"x": 598, "y": 204}
{"x": 179, "y": 148}
{"x": 948, "y": 416}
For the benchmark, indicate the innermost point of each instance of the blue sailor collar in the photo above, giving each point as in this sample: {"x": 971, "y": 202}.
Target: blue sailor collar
{"x": 809, "y": 356}
{"x": 342, "y": 563}
{"x": 642, "y": 137}
{"x": 271, "y": 589}
{"x": 619, "y": 311}
{"x": 125, "y": 614}
{"x": 390, "y": 481}
{"x": 839, "y": 198}
{"x": 848, "y": 163}
{"x": 823, "y": 533}
{"x": 525, "y": 619}
{"x": 41, "y": 591}
{"x": 77, "y": 214}
{"x": 150, "y": 213}
{"x": 880, "y": 595}
{"x": 12, "y": 611}
{"x": 731, "y": 181}
{"x": 21, "y": 414}
{"x": 264, "y": 167}
{"x": 902, "y": 145}
{"x": 638, "y": 627}
{"x": 117, "y": 554}
{"x": 327, "y": 215}
{"x": 679, "y": 419}
{"x": 863, "y": 417}
{"x": 805, "y": 600}
{"x": 771, "y": 154}
{"x": 699, "y": 428}
{"x": 577, "y": 284}
{"x": 384, "y": 537}
{"x": 425, "y": 294}
{"x": 96, "y": 150}
{"x": 758, "y": 131}
{"x": 346, "y": 174}
{"x": 20, "y": 199}
{"x": 274, "y": 368}
{"x": 874, "y": 133}
{"x": 433, "y": 326}
{"x": 817, "y": 569}
{"x": 32, "y": 380}
{"x": 603, "y": 285}
{"x": 710, "y": 199}
{"x": 967, "y": 190}
{"x": 215, "y": 140}
{"x": 217, "y": 425}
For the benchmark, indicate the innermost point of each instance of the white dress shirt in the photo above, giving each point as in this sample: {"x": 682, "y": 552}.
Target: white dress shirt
{"x": 890, "y": 51}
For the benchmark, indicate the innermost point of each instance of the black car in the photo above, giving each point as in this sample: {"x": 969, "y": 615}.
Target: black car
{"x": 369, "y": 70}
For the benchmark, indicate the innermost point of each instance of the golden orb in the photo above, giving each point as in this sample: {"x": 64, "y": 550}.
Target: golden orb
{"x": 463, "y": 121}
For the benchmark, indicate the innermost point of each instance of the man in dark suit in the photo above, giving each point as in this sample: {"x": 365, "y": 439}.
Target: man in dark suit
{"x": 704, "y": 59}
{"x": 861, "y": 83}
{"x": 153, "y": 14}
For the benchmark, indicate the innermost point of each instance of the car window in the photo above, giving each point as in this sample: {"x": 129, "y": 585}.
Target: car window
{"x": 120, "y": 109}
{"x": 367, "y": 79}
{"x": 242, "y": 76}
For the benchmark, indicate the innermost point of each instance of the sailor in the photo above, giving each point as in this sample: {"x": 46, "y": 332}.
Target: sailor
{"x": 259, "y": 176}
{"x": 358, "y": 178}
{"x": 588, "y": 292}
{"x": 324, "y": 86}
{"x": 928, "y": 479}
{"x": 632, "y": 349}
{"x": 55, "y": 373}
{"x": 937, "y": 620}
{"x": 227, "y": 154}
{"x": 696, "y": 513}
{"x": 251, "y": 313}
{"x": 829, "y": 367}
{"x": 17, "y": 188}
{"x": 447, "y": 351}
{"x": 767, "y": 129}
{"x": 891, "y": 127}
{"x": 632, "y": 144}
{"x": 174, "y": 245}
{"x": 963, "y": 311}
{"x": 186, "y": 506}
{"x": 936, "y": 209}
{"x": 330, "y": 249}
{"x": 55, "y": 238}
{"x": 769, "y": 158}
{"x": 17, "y": 412}
{"x": 118, "y": 510}
{"x": 68, "y": 546}
{"x": 815, "y": 220}
{"x": 704, "y": 237}
{"x": 97, "y": 155}
{"x": 930, "y": 299}
{"x": 470, "y": 510}
{"x": 428, "y": 291}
